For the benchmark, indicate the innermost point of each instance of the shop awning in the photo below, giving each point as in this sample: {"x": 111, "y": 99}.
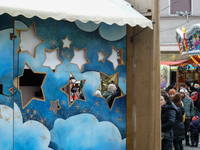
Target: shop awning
{"x": 175, "y": 63}
{"x": 108, "y": 11}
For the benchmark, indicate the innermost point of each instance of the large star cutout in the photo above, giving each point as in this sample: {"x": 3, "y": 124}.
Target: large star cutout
{"x": 80, "y": 58}
{"x": 66, "y": 42}
{"x": 71, "y": 83}
{"x": 55, "y": 106}
{"x": 104, "y": 81}
{"x": 101, "y": 56}
{"x": 26, "y": 84}
{"x": 52, "y": 59}
{"x": 116, "y": 57}
{"x": 29, "y": 40}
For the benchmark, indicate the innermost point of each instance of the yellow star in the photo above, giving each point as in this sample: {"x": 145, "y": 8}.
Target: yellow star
{"x": 31, "y": 116}
{"x": 63, "y": 102}
{"x": 44, "y": 138}
{"x": 42, "y": 120}
{"x": 7, "y": 119}
{"x": 67, "y": 66}
{"x": 63, "y": 53}
{"x": 84, "y": 110}
{"x": 120, "y": 119}
{"x": 53, "y": 42}
{"x": 77, "y": 106}
{"x": 97, "y": 103}
{"x": 27, "y": 110}
{"x": 18, "y": 116}
{"x": 35, "y": 111}
{"x": 8, "y": 98}
{"x": 68, "y": 56}
{"x": 5, "y": 107}
{"x": 117, "y": 110}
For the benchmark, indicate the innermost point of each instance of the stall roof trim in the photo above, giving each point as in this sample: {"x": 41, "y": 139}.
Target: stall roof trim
{"x": 108, "y": 11}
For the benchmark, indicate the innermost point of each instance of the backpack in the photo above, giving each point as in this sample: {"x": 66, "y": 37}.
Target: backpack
{"x": 194, "y": 98}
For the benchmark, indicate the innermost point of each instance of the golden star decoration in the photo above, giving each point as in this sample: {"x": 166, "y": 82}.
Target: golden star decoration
{"x": 48, "y": 60}
{"x": 63, "y": 102}
{"x": 30, "y": 40}
{"x": 68, "y": 95}
{"x": 120, "y": 119}
{"x": 53, "y": 42}
{"x": 35, "y": 111}
{"x": 67, "y": 42}
{"x": 24, "y": 104}
{"x": 115, "y": 78}
{"x": 55, "y": 104}
{"x": 76, "y": 59}
{"x": 44, "y": 138}
{"x": 7, "y": 119}
{"x": 116, "y": 54}
{"x": 101, "y": 56}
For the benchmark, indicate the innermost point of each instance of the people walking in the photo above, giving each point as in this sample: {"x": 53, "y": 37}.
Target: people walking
{"x": 107, "y": 94}
{"x": 189, "y": 110}
{"x": 179, "y": 128}
{"x": 168, "y": 115}
{"x": 193, "y": 129}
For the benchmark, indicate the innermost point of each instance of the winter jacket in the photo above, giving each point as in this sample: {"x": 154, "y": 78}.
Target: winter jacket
{"x": 189, "y": 106}
{"x": 107, "y": 94}
{"x": 168, "y": 115}
{"x": 194, "y": 128}
{"x": 198, "y": 105}
{"x": 179, "y": 128}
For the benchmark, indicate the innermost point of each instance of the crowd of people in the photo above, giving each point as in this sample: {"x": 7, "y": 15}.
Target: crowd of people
{"x": 180, "y": 116}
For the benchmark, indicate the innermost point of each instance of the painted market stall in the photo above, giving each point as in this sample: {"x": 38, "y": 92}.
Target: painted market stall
{"x": 57, "y": 60}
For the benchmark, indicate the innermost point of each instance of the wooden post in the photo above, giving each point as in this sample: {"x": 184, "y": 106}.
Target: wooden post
{"x": 143, "y": 85}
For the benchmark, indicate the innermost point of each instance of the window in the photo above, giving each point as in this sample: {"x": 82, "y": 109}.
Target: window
{"x": 180, "y": 5}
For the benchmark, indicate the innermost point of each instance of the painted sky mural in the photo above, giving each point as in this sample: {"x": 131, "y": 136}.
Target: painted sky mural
{"x": 57, "y": 53}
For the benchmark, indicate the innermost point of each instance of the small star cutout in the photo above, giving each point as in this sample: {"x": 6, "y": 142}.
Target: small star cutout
{"x": 80, "y": 58}
{"x": 101, "y": 56}
{"x": 29, "y": 40}
{"x": 66, "y": 42}
{"x": 52, "y": 59}
{"x": 55, "y": 106}
{"x": 116, "y": 57}
{"x": 114, "y": 77}
{"x": 68, "y": 93}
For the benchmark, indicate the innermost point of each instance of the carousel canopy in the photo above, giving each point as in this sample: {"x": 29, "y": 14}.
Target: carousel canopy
{"x": 108, "y": 11}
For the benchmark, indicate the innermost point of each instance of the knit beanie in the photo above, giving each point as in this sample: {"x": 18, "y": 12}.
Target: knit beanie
{"x": 177, "y": 100}
{"x": 172, "y": 91}
{"x": 111, "y": 87}
{"x": 195, "y": 118}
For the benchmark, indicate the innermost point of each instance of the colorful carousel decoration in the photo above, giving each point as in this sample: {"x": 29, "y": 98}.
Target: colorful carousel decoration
{"x": 189, "y": 42}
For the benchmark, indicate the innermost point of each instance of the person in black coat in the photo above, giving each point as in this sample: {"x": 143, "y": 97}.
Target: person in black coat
{"x": 168, "y": 115}
{"x": 194, "y": 131}
{"x": 179, "y": 128}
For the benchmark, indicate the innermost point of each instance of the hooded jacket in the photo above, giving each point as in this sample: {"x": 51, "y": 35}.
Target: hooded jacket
{"x": 189, "y": 106}
{"x": 194, "y": 128}
{"x": 107, "y": 94}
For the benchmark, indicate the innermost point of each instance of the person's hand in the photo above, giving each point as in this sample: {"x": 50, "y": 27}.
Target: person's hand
{"x": 187, "y": 133}
{"x": 189, "y": 117}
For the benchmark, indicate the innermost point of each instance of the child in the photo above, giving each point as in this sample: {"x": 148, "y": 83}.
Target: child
{"x": 194, "y": 131}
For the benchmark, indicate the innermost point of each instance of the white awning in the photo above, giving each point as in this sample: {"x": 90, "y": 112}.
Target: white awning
{"x": 108, "y": 11}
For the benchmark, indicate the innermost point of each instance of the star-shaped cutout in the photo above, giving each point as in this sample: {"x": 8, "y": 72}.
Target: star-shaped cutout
{"x": 67, "y": 88}
{"x": 116, "y": 57}
{"x": 106, "y": 80}
{"x": 80, "y": 58}
{"x": 36, "y": 77}
{"x": 29, "y": 40}
{"x": 66, "y": 42}
{"x": 55, "y": 106}
{"x": 101, "y": 56}
{"x": 52, "y": 59}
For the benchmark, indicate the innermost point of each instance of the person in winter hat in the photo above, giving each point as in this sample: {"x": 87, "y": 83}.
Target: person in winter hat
{"x": 189, "y": 110}
{"x": 178, "y": 128}
{"x": 194, "y": 131}
{"x": 171, "y": 93}
{"x": 107, "y": 94}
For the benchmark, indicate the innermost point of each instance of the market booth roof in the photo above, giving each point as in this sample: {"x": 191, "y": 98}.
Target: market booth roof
{"x": 108, "y": 11}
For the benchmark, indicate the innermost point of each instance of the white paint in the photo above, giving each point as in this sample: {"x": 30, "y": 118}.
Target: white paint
{"x": 29, "y": 40}
{"x": 113, "y": 58}
{"x": 51, "y": 59}
{"x": 79, "y": 58}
